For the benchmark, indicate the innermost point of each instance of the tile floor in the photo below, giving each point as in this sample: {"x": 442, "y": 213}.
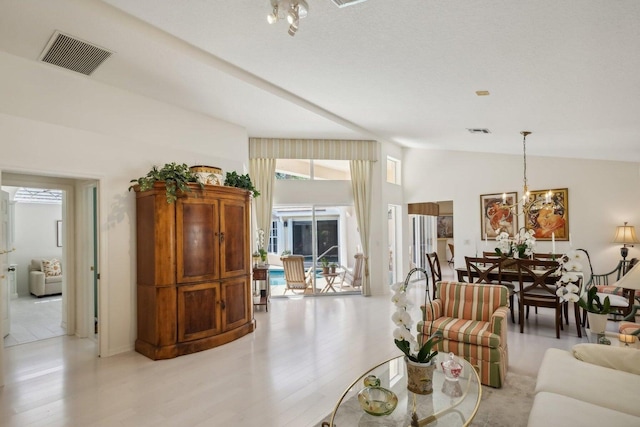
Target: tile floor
{"x": 34, "y": 319}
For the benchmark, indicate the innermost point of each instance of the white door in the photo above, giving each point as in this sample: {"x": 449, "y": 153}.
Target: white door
{"x": 4, "y": 263}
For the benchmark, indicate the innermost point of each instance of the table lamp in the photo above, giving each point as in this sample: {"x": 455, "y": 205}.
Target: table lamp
{"x": 625, "y": 234}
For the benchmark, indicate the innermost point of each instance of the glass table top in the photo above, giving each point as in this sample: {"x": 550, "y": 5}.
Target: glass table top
{"x": 452, "y": 403}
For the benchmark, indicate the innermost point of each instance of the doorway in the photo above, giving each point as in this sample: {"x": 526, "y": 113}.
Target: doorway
{"x": 77, "y": 235}
{"x": 34, "y": 226}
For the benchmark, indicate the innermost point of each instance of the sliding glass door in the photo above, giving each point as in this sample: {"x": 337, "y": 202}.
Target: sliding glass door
{"x": 323, "y": 236}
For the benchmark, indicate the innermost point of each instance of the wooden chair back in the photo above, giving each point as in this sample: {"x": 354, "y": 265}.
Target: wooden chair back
{"x": 435, "y": 269}
{"x": 484, "y": 270}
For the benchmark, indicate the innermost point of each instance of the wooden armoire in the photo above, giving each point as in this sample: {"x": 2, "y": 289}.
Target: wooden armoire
{"x": 193, "y": 276}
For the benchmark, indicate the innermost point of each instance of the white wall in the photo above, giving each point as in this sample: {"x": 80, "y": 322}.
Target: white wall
{"x": 35, "y": 237}
{"x": 57, "y": 123}
{"x": 602, "y": 195}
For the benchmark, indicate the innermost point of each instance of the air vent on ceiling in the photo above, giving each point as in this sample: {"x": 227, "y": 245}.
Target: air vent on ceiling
{"x": 345, "y": 3}
{"x": 73, "y": 54}
{"x": 478, "y": 130}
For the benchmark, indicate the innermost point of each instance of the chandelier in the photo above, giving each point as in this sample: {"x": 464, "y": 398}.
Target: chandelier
{"x": 292, "y": 10}
{"x": 527, "y": 202}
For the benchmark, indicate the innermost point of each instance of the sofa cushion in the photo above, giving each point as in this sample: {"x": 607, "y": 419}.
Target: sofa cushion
{"x": 619, "y": 358}
{"x": 550, "y": 409}
{"x": 51, "y": 267}
{"x": 561, "y": 373}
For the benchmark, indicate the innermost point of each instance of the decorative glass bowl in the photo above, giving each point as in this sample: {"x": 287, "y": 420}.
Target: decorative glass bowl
{"x": 451, "y": 367}
{"x": 376, "y": 400}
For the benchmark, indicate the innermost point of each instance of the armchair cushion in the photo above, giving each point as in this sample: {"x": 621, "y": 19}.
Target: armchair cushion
{"x": 51, "y": 267}
{"x": 41, "y": 283}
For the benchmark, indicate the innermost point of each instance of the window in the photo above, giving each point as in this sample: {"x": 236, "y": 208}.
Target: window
{"x": 393, "y": 170}
{"x": 305, "y": 169}
{"x": 272, "y": 246}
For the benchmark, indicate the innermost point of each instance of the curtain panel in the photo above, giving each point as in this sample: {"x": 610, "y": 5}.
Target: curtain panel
{"x": 263, "y": 172}
{"x": 361, "y": 184}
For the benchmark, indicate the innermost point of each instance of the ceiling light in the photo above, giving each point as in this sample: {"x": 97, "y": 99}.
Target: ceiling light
{"x": 272, "y": 18}
{"x": 482, "y": 92}
{"x": 293, "y": 10}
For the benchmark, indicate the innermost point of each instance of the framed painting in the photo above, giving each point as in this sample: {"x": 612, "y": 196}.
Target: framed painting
{"x": 445, "y": 226}
{"x": 549, "y": 219}
{"x": 495, "y": 217}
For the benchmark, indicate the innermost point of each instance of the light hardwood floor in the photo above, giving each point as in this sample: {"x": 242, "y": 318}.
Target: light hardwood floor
{"x": 289, "y": 372}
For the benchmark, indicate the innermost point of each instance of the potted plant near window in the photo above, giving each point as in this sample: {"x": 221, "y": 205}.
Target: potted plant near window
{"x": 325, "y": 265}
{"x": 332, "y": 267}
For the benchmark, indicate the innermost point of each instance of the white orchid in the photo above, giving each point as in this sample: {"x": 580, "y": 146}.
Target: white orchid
{"x": 567, "y": 288}
{"x": 402, "y": 336}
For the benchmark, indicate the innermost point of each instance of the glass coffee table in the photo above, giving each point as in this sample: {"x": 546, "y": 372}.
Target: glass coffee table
{"x": 452, "y": 403}
{"x": 613, "y": 338}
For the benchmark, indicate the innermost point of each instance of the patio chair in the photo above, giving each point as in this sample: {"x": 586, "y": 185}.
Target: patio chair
{"x": 296, "y": 279}
{"x": 354, "y": 275}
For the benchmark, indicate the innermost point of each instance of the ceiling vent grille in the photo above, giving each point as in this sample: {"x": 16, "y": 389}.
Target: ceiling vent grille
{"x": 73, "y": 54}
{"x": 478, "y": 130}
{"x": 345, "y": 3}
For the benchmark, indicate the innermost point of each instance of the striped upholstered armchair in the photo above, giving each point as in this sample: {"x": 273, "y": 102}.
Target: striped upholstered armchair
{"x": 473, "y": 320}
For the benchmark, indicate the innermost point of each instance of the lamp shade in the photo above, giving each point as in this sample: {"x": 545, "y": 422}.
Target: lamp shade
{"x": 631, "y": 280}
{"x": 625, "y": 234}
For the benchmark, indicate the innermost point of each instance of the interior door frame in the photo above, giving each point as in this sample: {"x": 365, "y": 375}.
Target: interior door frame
{"x": 77, "y": 223}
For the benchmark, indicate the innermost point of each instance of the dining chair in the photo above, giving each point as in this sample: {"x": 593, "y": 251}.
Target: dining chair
{"x": 537, "y": 288}
{"x": 489, "y": 270}
{"x": 435, "y": 269}
{"x": 450, "y": 261}
{"x": 620, "y": 298}
{"x": 547, "y": 256}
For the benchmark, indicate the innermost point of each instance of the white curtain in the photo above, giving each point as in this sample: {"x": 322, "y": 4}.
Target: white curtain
{"x": 262, "y": 172}
{"x": 361, "y": 184}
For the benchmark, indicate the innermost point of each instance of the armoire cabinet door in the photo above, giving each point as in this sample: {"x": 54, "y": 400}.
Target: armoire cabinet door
{"x": 236, "y": 310}
{"x": 197, "y": 240}
{"x": 234, "y": 238}
{"x": 199, "y": 311}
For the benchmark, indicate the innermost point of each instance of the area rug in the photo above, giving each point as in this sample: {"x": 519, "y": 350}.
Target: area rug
{"x": 508, "y": 406}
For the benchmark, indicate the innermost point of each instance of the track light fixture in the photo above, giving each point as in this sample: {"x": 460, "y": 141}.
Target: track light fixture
{"x": 293, "y": 10}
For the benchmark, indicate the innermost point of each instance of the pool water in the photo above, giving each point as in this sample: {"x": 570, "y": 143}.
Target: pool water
{"x": 276, "y": 276}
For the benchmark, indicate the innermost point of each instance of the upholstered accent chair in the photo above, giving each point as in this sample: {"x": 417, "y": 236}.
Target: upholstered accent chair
{"x": 45, "y": 277}
{"x": 473, "y": 320}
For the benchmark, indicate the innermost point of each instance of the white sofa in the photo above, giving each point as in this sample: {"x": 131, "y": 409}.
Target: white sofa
{"x": 592, "y": 385}
{"x": 41, "y": 284}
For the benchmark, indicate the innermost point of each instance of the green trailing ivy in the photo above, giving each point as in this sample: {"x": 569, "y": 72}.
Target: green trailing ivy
{"x": 240, "y": 181}
{"x": 176, "y": 178}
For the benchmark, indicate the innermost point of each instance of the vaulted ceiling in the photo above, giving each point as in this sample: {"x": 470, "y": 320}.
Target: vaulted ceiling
{"x": 405, "y": 71}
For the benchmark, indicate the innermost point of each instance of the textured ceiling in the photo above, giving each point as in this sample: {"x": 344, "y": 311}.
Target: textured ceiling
{"x": 402, "y": 70}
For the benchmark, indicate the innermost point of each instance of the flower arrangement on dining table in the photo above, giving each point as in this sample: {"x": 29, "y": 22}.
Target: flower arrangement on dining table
{"x": 403, "y": 338}
{"x": 520, "y": 246}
